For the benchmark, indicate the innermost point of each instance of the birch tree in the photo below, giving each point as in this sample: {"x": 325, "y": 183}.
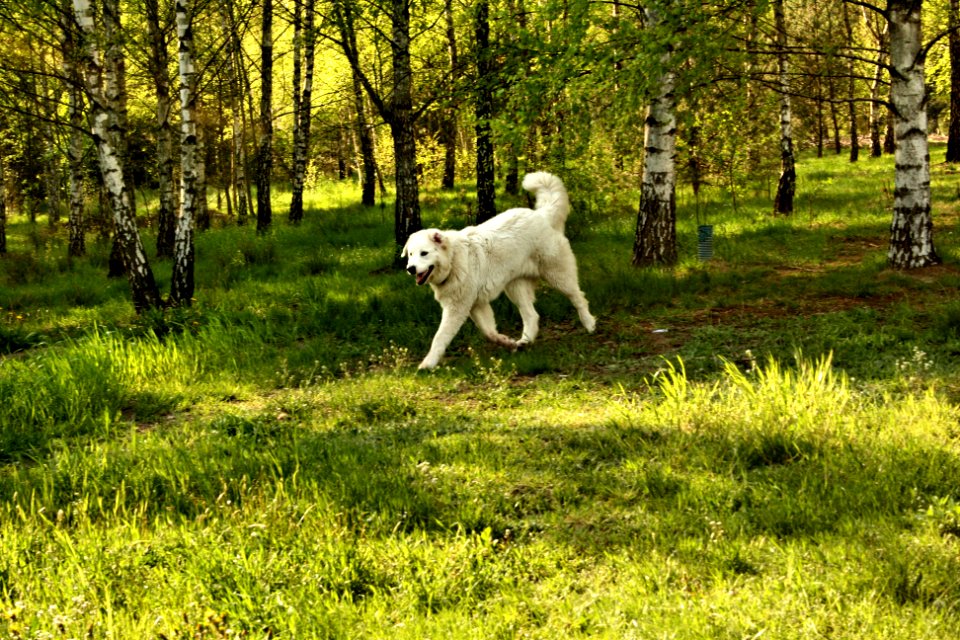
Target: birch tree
{"x": 911, "y": 232}
{"x": 304, "y": 40}
{"x": 182, "y": 282}
{"x": 76, "y": 245}
{"x": 139, "y": 274}
{"x": 787, "y": 184}
{"x": 655, "y": 241}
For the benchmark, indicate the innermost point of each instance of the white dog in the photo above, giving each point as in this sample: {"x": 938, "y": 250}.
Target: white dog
{"x": 510, "y": 252}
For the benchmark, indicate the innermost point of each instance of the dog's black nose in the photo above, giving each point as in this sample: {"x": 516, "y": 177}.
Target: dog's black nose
{"x": 412, "y": 271}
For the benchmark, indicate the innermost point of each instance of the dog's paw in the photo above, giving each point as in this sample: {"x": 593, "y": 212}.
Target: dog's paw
{"x": 428, "y": 364}
{"x": 590, "y": 324}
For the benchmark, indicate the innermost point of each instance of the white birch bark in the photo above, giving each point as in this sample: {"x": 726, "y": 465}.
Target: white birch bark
{"x": 787, "y": 184}
{"x": 140, "y": 276}
{"x": 303, "y": 114}
{"x": 911, "y": 232}
{"x": 77, "y": 242}
{"x": 656, "y": 235}
{"x": 181, "y": 287}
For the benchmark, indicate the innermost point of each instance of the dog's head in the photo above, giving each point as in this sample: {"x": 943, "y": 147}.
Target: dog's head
{"x": 426, "y": 254}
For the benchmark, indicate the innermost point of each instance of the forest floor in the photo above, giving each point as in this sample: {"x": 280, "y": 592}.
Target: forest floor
{"x": 762, "y": 444}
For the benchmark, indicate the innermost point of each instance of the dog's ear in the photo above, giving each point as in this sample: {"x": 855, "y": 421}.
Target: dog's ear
{"x": 438, "y": 238}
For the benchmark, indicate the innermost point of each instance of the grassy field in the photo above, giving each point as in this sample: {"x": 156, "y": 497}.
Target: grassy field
{"x": 763, "y": 445}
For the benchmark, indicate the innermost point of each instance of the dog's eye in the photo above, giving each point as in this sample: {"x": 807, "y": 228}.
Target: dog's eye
{"x": 423, "y": 253}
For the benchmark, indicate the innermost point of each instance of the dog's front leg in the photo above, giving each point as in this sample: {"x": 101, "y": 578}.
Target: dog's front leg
{"x": 450, "y": 324}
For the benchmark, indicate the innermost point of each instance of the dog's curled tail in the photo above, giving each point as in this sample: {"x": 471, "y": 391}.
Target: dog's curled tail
{"x": 550, "y": 194}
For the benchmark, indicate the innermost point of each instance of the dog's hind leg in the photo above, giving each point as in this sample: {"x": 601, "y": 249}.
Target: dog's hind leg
{"x": 523, "y": 293}
{"x": 561, "y": 274}
{"x": 450, "y": 324}
{"x": 482, "y": 314}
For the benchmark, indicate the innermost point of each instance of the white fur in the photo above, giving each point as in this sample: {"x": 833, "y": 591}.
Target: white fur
{"x": 510, "y": 252}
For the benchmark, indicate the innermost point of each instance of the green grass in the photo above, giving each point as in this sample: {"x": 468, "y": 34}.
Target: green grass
{"x": 781, "y": 462}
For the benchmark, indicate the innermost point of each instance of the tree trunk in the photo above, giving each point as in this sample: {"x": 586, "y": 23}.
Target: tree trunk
{"x": 852, "y": 93}
{"x": 953, "y": 139}
{"x": 158, "y": 64}
{"x": 486, "y": 191}
{"x": 448, "y": 128}
{"x": 302, "y": 116}
{"x": 115, "y": 92}
{"x": 397, "y": 111}
{"x": 655, "y": 241}
{"x": 834, "y": 119}
{"x": 3, "y": 210}
{"x": 140, "y": 276}
{"x": 238, "y": 159}
{"x": 911, "y": 232}
{"x": 182, "y": 282}
{"x": 77, "y": 241}
{"x": 889, "y": 135}
{"x": 787, "y": 185}
{"x": 876, "y": 114}
{"x": 407, "y": 208}
{"x": 264, "y": 149}
{"x": 368, "y": 172}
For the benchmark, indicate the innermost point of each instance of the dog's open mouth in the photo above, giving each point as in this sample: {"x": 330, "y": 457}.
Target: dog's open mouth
{"x": 423, "y": 277}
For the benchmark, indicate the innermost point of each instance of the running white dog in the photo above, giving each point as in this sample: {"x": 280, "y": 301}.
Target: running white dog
{"x": 510, "y": 252}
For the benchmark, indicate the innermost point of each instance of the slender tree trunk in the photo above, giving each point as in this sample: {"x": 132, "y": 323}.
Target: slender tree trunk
{"x": 115, "y": 90}
{"x": 834, "y": 119}
{"x": 77, "y": 241}
{"x": 142, "y": 284}
{"x": 889, "y": 135}
{"x": 238, "y": 157}
{"x": 265, "y": 147}
{"x": 368, "y": 160}
{"x": 876, "y": 111}
{"x": 953, "y": 138}
{"x": 486, "y": 191}
{"x": 852, "y": 92}
{"x": 52, "y": 171}
{"x": 158, "y": 64}
{"x": 302, "y": 116}
{"x": 787, "y": 185}
{"x": 3, "y": 209}
{"x": 911, "y": 232}
{"x": 182, "y": 282}
{"x": 201, "y": 208}
{"x": 655, "y": 241}
{"x": 448, "y": 128}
